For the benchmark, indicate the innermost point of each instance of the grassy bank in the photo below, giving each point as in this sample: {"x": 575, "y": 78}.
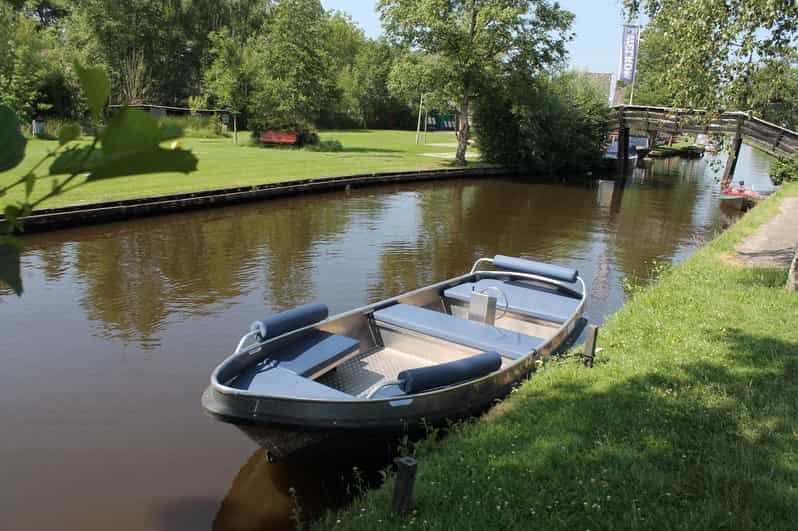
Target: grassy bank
{"x": 688, "y": 421}
{"x": 222, "y": 165}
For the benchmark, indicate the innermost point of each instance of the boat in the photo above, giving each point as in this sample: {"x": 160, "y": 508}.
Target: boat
{"x": 694, "y": 152}
{"x": 611, "y": 151}
{"x": 641, "y": 147}
{"x": 741, "y": 198}
{"x": 300, "y": 381}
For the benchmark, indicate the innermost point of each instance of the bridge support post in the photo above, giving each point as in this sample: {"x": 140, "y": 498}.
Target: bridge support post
{"x": 734, "y": 153}
{"x": 623, "y": 147}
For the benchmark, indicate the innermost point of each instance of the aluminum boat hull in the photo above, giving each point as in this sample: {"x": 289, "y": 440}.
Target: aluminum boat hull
{"x": 288, "y": 427}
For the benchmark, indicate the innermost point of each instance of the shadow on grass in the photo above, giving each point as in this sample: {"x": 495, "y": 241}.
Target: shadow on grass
{"x": 705, "y": 444}
{"x": 762, "y": 277}
{"x": 369, "y": 150}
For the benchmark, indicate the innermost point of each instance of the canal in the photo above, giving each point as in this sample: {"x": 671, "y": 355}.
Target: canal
{"x": 106, "y": 354}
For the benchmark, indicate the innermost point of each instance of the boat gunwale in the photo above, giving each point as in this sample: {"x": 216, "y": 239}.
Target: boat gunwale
{"x": 367, "y": 312}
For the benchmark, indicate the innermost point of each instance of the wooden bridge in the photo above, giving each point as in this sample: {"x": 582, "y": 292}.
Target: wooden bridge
{"x": 774, "y": 139}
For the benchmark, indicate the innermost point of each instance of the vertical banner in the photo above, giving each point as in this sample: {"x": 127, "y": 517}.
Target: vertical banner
{"x": 629, "y": 53}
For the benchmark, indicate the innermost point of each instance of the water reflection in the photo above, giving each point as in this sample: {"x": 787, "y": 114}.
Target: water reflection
{"x": 106, "y": 354}
{"x": 275, "y": 496}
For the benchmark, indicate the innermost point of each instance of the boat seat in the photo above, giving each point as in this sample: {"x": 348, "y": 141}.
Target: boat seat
{"x": 524, "y": 298}
{"x": 472, "y": 334}
{"x": 309, "y": 353}
{"x": 277, "y": 381}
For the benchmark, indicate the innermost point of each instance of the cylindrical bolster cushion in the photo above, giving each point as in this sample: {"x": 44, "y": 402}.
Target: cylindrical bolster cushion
{"x": 522, "y": 265}
{"x": 280, "y": 323}
{"x": 425, "y": 378}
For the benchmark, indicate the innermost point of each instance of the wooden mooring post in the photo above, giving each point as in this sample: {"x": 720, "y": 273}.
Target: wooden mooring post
{"x": 590, "y": 346}
{"x": 623, "y": 148}
{"x": 403, "y": 490}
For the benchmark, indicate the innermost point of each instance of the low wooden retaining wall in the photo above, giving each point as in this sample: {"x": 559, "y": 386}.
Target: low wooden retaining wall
{"x": 71, "y": 216}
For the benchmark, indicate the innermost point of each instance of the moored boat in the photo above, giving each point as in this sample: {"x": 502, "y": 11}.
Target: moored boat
{"x": 740, "y": 197}
{"x": 638, "y": 148}
{"x": 300, "y": 380}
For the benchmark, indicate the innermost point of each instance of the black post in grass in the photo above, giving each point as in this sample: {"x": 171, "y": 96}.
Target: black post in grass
{"x": 590, "y": 346}
{"x": 403, "y": 490}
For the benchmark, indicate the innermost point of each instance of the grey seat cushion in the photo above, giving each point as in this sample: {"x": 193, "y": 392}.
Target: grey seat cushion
{"x": 306, "y": 355}
{"x": 524, "y": 298}
{"x": 313, "y": 351}
{"x": 461, "y": 331}
{"x": 277, "y": 381}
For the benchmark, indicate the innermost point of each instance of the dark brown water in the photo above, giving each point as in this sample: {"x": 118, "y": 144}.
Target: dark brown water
{"x": 105, "y": 356}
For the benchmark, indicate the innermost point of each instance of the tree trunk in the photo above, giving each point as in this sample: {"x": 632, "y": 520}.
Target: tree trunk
{"x": 462, "y": 135}
{"x": 792, "y": 279}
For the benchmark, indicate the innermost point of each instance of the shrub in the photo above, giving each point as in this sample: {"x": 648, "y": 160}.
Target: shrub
{"x": 785, "y": 169}
{"x": 551, "y": 124}
{"x": 327, "y": 146}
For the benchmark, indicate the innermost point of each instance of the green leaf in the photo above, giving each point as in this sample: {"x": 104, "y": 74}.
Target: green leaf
{"x": 68, "y": 132}
{"x": 10, "y": 252}
{"x": 133, "y": 129}
{"x": 12, "y": 143}
{"x": 72, "y": 161}
{"x": 130, "y": 145}
{"x": 156, "y": 160}
{"x": 95, "y": 85}
{"x": 170, "y": 131}
{"x": 30, "y": 180}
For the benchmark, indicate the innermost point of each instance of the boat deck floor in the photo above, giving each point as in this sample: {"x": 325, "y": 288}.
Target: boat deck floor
{"x": 366, "y": 369}
{"x": 408, "y": 350}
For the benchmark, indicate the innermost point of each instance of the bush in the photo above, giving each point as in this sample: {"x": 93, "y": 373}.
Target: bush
{"x": 543, "y": 123}
{"x": 785, "y": 169}
{"x": 327, "y": 146}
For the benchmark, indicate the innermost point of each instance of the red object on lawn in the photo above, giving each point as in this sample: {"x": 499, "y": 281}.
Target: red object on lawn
{"x": 278, "y": 137}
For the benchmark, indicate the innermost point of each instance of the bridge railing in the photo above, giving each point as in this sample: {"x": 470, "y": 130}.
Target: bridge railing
{"x": 776, "y": 139}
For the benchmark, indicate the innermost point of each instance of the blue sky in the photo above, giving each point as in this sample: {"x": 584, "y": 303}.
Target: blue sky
{"x": 597, "y": 26}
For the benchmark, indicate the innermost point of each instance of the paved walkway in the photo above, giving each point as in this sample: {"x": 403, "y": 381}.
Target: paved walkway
{"x": 774, "y": 243}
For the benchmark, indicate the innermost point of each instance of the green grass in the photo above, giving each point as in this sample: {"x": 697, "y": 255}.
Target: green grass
{"x": 688, "y": 421}
{"x": 677, "y": 147}
{"x": 223, "y": 165}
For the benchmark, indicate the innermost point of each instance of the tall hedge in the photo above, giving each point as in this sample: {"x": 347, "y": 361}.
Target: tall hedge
{"x": 546, "y": 124}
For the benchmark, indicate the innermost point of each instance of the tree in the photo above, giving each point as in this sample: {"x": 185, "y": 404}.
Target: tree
{"x": 379, "y": 107}
{"x": 475, "y": 37}
{"x": 47, "y": 13}
{"x": 23, "y": 66}
{"x": 654, "y": 56}
{"x": 292, "y": 73}
{"x": 714, "y": 46}
{"x": 543, "y": 123}
{"x": 342, "y": 42}
{"x": 165, "y": 40}
{"x": 774, "y": 90}
{"x": 228, "y": 79}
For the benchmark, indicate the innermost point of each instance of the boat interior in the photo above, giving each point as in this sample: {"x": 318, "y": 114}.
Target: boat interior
{"x": 428, "y": 339}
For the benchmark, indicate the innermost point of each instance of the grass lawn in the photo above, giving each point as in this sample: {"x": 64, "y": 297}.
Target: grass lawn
{"x": 688, "y": 421}
{"x": 222, "y": 165}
